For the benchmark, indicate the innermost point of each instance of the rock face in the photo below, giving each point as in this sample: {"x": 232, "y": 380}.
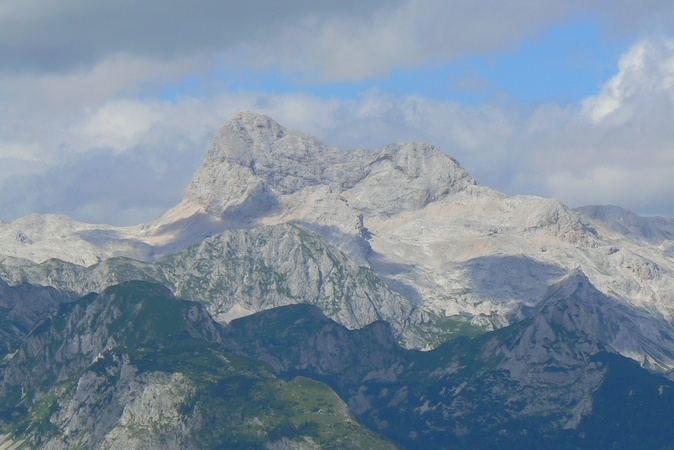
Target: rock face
{"x": 242, "y": 271}
{"x": 397, "y": 245}
{"x": 544, "y": 382}
{"x": 135, "y": 368}
{"x": 576, "y": 304}
{"x": 427, "y": 229}
{"x": 256, "y": 162}
{"x": 466, "y": 255}
{"x": 258, "y": 172}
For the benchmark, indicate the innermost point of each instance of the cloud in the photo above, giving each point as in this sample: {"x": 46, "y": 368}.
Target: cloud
{"x": 81, "y": 103}
{"x": 409, "y": 35}
{"x": 105, "y": 186}
{"x": 644, "y": 189}
{"x": 44, "y": 36}
{"x": 323, "y": 39}
{"x": 622, "y": 155}
{"x": 617, "y": 147}
{"x": 646, "y": 74}
{"x": 129, "y": 159}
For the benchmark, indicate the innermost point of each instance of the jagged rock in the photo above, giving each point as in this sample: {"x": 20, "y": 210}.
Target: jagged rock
{"x": 243, "y": 271}
{"x": 136, "y": 368}
{"x": 653, "y": 230}
{"x": 460, "y": 251}
{"x": 541, "y": 383}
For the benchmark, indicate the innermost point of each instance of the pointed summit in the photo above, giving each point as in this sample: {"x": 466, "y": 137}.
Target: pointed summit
{"x": 575, "y": 304}
{"x": 654, "y": 230}
{"x": 570, "y": 284}
{"x": 255, "y": 161}
{"x": 245, "y": 132}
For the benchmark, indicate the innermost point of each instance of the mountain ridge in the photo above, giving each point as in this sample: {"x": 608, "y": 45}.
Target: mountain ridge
{"x": 651, "y": 229}
{"x": 136, "y": 368}
{"x": 242, "y": 271}
{"x": 540, "y": 383}
{"x": 541, "y": 326}
{"x": 461, "y": 251}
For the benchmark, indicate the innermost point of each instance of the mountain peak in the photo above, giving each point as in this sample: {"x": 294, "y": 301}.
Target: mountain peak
{"x": 576, "y": 276}
{"x": 571, "y": 287}
{"x": 254, "y": 161}
{"x": 653, "y": 230}
{"x": 578, "y": 306}
{"x": 255, "y": 124}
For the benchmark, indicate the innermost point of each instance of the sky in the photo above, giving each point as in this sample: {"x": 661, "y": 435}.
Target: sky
{"x": 107, "y": 108}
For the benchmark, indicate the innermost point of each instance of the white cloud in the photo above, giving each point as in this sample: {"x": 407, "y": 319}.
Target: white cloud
{"x": 141, "y": 153}
{"x": 626, "y": 157}
{"x": 79, "y": 101}
{"x": 28, "y": 152}
{"x": 647, "y": 190}
{"x": 619, "y": 148}
{"x": 118, "y": 125}
{"x": 646, "y": 70}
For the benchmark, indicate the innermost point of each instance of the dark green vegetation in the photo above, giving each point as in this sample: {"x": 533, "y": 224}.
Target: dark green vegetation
{"x": 536, "y": 384}
{"x": 23, "y": 307}
{"x": 255, "y": 269}
{"x": 135, "y": 367}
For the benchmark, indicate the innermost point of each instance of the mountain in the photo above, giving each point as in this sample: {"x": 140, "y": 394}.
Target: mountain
{"x": 541, "y": 383}
{"x": 136, "y": 368}
{"x": 255, "y": 161}
{"x": 542, "y": 326}
{"x": 651, "y": 230}
{"x": 421, "y": 222}
{"x": 242, "y": 271}
{"x": 39, "y": 237}
{"x": 470, "y": 258}
{"x": 424, "y": 225}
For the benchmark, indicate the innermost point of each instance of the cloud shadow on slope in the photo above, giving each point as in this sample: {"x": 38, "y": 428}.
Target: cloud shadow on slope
{"x": 387, "y": 270}
{"x": 358, "y": 250}
{"x": 503, "y": 278}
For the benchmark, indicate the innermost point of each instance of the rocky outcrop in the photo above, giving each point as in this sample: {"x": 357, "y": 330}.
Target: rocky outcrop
{"x": 243, "y": 271}
{"x": 253, "y": 160}
{"x": 136, "y": 368}
{"x": 468, "y": 256}
{"x": 550, "y": 381}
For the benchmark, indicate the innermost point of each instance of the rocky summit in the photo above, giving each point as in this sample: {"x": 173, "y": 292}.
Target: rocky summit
{"x": 359, "y": 299}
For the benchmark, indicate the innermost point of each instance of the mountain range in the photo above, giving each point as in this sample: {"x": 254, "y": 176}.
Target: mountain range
{"x": 424, "y": 308}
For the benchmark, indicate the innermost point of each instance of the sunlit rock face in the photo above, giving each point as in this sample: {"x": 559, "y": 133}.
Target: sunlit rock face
{"x": 302, "y": 264}
{"x": 451, "y": 253}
